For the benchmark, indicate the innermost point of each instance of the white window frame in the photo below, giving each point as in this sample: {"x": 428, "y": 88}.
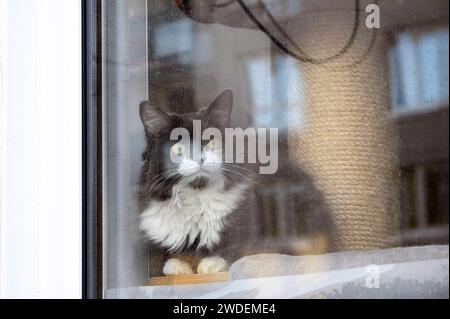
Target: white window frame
{"x": 40, "y": 149}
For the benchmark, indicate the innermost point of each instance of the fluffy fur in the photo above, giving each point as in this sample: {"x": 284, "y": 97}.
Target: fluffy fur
{"x": 200, "y": 214}
{"x": 191, "y": 214}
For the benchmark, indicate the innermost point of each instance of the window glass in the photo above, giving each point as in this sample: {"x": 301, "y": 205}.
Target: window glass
{"x": 269, "y": 140}
{"x": 419, "y": 65}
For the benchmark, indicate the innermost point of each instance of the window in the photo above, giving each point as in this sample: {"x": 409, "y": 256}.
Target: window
{"x": 419, "y": 75}
{"x": 273, "y": 88}
{"x": 319, "y": 168}
{"x": 420, "y": 69}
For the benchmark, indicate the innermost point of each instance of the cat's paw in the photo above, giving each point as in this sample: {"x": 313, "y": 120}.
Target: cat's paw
{"x": 210, "y": 265}
{"x": 175, "y": 266}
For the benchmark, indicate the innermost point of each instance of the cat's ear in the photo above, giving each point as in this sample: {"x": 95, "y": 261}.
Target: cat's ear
{"x": 154, "y": 119}
{"x": 218, "y": 113}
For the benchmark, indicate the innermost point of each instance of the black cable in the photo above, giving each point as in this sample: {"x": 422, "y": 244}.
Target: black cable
{"x": 278, "y": 26}
{"x": 286, "y": 35}
{"x": 267, "y": 32}
{"x": 373, "y": 40}
{"x": 286, "y": 50}
{"x": 302, "y": 56}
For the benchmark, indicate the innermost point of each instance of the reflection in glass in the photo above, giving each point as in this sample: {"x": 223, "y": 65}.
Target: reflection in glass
{"x": 363, "y": 136}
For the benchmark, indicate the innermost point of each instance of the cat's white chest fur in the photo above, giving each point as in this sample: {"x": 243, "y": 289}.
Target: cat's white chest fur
{"x": 190, "y": 214}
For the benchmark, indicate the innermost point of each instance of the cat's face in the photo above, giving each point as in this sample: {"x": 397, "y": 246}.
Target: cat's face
{"x": 208, "y": 162}
{"x": 173, "y": 161}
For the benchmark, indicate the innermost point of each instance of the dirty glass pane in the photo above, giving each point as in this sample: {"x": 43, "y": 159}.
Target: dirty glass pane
{"x": 330, "y": 147}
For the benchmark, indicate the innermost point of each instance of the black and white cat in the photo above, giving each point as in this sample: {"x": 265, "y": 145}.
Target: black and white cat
{"x": 199, "y": 213}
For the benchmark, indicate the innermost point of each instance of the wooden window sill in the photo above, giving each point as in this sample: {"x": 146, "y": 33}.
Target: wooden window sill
{"x": 188, "y": 279}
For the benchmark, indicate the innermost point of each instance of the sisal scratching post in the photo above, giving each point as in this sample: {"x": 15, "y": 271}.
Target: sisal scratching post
{"x": 346, "y": 140}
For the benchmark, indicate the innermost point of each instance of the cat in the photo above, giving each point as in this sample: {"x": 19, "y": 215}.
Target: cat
{"x": 201, "y": 214}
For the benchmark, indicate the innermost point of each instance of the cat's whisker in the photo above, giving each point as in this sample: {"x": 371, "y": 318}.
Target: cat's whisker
{"x": 240, "y": 167}
{"x": 163, "y": 178}
{"x": 235, "y": 173}
{"x": 243, "y": 172}
{"x": 161, "y": 185}
{"x": 159, "y": 177}
{"x": 162, "y": 174}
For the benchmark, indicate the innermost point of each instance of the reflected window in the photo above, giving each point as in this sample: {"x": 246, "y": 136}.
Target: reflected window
{"x": 260, "y": 76}
{"x": 420, "y": 69}
{"x": 275, "y": 89}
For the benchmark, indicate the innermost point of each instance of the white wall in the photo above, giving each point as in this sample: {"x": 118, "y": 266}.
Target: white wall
{"x": 40, "y": 148}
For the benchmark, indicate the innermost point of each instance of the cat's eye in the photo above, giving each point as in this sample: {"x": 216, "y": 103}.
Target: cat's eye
{"x": 212, "y": 145}
{"x": 179, "y": 149}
